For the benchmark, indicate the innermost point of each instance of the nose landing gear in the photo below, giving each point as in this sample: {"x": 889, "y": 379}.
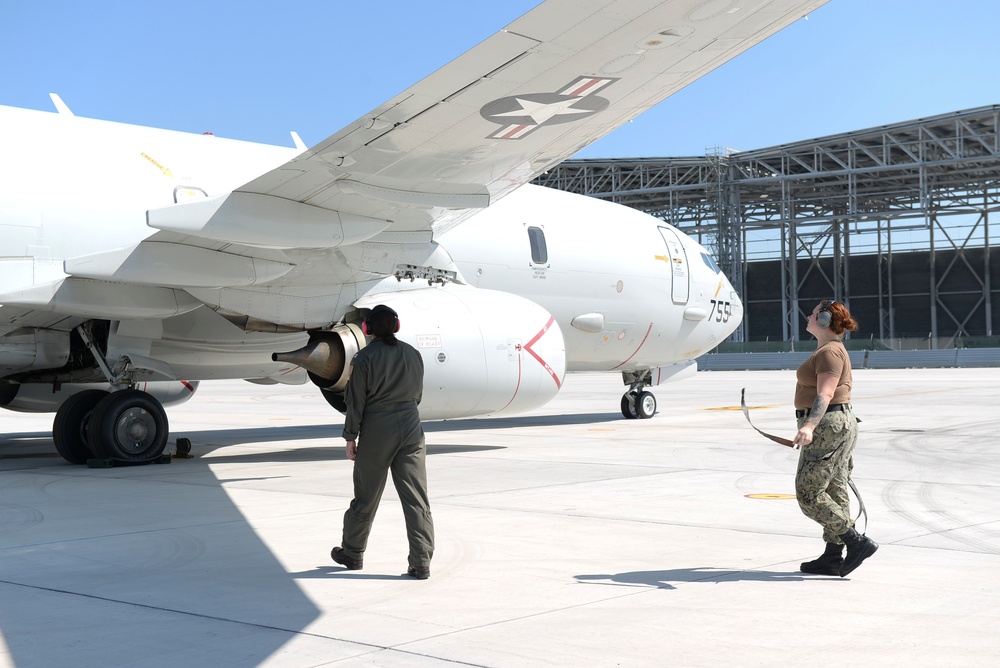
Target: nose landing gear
{"x": 637, "y": 402}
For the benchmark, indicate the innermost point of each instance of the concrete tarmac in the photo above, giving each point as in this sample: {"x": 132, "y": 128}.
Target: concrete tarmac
{"x": 566, "y": 537}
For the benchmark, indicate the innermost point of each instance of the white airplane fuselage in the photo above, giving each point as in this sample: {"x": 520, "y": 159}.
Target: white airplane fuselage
{"x": 628, "y": 293}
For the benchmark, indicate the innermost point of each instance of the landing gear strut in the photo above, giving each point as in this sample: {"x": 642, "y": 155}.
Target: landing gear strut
{"x": 125, "y": 425}
{"x": 637, "y": 402}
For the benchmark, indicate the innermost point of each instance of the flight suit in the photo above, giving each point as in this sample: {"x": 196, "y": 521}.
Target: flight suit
{"x": 385, "y": 387}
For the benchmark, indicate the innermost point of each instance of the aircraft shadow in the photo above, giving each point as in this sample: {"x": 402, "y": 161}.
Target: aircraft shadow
{"x": 208, "y": 440}
{"x": 664, "y": 579}
{"x": 522, "y": 421}
{"x": 75, "y": 572}
{"x": 39, "y": 445}
{"x": 332, "y": 451}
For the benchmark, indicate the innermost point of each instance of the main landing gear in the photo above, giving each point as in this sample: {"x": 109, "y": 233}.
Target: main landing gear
{"x": 637, "y": 402}
{"x": 128, "y": 425}
{"x": 125, "y": 426}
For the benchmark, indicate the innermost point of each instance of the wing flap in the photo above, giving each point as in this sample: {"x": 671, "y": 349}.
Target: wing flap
{"x": 176, "y": 265}
{"x": 264, "y": 221}
{"x": 98, "y": 299}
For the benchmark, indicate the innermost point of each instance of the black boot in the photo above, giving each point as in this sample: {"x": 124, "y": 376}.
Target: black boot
{"x": 859, "y": 548}
{"x": 828, "y": 564}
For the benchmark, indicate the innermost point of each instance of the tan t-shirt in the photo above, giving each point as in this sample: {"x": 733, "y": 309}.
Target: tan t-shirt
{"x": 829, "y": 358}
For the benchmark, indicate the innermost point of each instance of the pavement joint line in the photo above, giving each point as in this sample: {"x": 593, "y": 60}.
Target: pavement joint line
{"x": 269, "y": 627}
{"x": 241, "y": 521}
{"x": 637, "y": 589}
{"x": 187, "y": 613}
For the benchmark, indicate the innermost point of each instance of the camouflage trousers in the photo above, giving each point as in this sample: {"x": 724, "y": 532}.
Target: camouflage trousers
{"x": 824, "y": 467}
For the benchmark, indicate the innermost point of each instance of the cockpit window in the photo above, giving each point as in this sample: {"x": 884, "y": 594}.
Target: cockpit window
{"x": 707, "y": 259}
{"x": 539, "y": 252}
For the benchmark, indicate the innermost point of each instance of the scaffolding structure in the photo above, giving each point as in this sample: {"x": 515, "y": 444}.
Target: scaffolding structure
{"x": 818, "y": 209}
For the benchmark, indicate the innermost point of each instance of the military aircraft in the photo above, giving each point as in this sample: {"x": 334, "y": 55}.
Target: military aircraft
{"x": 136, "y": 262}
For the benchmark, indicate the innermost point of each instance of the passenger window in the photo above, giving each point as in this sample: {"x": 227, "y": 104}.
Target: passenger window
{"x": 539, "y": 253}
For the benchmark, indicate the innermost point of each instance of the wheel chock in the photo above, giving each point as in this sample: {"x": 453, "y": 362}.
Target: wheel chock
{"x": 111, "y": 462}
{"x": 183, "y": 449}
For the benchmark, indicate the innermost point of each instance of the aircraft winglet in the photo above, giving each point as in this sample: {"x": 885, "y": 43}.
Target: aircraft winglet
{"x": 299, "y": 144}
{"x": 60, "y": 105}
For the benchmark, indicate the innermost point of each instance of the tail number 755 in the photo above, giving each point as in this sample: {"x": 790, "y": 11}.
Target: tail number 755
{"x": 722, "y": 310}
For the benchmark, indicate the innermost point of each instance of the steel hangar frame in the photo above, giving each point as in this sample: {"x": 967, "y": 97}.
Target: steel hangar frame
{"x": 922, "y": 186}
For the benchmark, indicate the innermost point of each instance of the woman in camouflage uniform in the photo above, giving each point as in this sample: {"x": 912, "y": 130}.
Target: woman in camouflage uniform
{"x": 828, "y": 432}
{"x": 386, "y": 384}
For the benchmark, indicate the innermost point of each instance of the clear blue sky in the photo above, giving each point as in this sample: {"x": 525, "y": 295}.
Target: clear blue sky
{"x": 256, "y": 70}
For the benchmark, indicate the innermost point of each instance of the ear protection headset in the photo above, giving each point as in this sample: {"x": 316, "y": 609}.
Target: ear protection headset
{"x": 823, "y": 316}
{"x": 381, "y": 308}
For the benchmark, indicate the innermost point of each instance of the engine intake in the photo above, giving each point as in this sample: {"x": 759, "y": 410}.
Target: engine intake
{"x": 485, "y": 352}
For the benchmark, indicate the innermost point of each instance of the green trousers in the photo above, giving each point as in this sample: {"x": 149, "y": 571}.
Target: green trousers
{"x": 825, "y": 466}
{"x": 391, "y": 441}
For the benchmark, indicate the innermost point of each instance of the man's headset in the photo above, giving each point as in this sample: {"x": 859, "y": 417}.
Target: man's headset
{"x": 823, "y": 316}
{"x": 381, "y": 308}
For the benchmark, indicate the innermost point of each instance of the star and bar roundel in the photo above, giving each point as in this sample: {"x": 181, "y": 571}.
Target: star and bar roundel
{"x": 520, "y": 115}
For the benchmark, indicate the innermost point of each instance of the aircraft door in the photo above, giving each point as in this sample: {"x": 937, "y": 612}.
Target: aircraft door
{"x": 680, "y": 287}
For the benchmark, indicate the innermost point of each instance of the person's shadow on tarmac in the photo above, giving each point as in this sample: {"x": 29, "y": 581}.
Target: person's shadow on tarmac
{"x": 663, "y": 579}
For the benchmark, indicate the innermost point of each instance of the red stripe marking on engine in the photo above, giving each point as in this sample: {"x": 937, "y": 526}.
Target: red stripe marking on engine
{"x": 637, "y": 349}
{"x": 188, "y": 385}
{"x": 516, "y": 387}
{"x": 544, "y": 364}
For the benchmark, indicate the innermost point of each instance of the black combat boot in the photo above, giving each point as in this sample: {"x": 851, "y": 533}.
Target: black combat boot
{"x": 828, "y": 564}
{"x": 859, "y": 548}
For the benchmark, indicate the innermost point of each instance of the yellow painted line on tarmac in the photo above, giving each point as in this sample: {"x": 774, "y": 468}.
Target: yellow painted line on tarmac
{"x": 769, "y": 496}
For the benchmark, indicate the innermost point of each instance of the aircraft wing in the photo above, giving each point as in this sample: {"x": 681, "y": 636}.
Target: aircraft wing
{"x": 558, "y": 78}
{"x": 298, "y": 245}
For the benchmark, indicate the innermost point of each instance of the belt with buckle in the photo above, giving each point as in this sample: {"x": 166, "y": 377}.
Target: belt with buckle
{"x": 804, "y": 412}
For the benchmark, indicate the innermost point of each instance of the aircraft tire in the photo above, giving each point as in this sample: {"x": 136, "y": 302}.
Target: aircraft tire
{"x": 645, "y": 405}
{"x": 129, "y": 425}
{"x": 69, "y": 429}
{"x": 628, "y": 407}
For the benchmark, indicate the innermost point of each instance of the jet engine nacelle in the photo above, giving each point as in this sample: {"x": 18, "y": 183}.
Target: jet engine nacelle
{"x": 40, "y": 397}
{"x": 485, "y": 352}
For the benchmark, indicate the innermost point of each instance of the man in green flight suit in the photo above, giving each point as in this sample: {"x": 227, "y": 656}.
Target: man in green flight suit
{"x": 385, "y": 386}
